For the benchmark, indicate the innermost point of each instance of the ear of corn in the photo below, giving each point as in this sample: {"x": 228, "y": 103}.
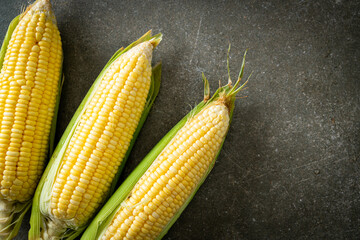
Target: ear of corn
{"x": 31, "y": 64}
{"x": 152, "y": 198}
{"x": 48, "y": 218}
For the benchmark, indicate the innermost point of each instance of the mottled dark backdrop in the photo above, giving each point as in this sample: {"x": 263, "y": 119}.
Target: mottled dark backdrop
{"x": 290, "y": 166}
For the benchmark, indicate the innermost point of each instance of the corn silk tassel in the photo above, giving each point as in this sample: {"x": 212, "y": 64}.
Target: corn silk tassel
{"x": 152, "y": 198}
{"x": 30, "y": 84}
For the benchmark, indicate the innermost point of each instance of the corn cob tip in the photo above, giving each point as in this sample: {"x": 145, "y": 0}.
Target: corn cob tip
{"x": 41, "y": 6}
{"x": 156, "y": 40}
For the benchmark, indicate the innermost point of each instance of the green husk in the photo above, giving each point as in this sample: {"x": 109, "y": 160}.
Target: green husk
{"x": 45, "y": 184}
{"x": 21, "y": 208}
{"x": 106, "y": 214}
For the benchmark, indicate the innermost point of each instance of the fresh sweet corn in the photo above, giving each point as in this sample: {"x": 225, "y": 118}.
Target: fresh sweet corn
{"x": 172, "y": 177}
{"x": 30, "y": 60}
{"x": 100, "y": 138}
{"x": 154, "y": 195}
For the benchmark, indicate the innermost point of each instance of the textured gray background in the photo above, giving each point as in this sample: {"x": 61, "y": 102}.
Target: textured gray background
{"x": 290, "y": 164}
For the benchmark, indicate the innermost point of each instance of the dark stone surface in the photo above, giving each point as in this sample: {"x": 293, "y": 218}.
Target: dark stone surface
{"x": 290, "y": 165}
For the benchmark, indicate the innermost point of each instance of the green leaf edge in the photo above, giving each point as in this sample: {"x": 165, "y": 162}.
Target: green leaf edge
{"x": 36, "y": 217}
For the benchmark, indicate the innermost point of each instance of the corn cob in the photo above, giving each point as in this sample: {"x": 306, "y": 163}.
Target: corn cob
{"x": 30, "y": 61}
{"x": 96, "y": 143}
{"x": 158, "y": 190}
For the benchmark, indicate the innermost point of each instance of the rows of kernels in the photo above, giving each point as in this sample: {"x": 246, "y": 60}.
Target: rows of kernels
{"x": 103, "y": 136}
{"x": 172, "y": 177}
{"x": 29, "y": 86}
